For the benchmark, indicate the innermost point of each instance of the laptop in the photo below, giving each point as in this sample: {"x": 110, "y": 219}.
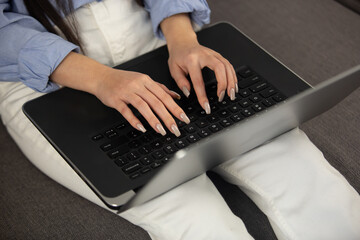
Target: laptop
{"x": 126, "y": 167}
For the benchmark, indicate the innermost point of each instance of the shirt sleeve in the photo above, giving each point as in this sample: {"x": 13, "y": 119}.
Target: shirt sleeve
{"x": 160, "y": 9}
{"x": 28, "y": 52}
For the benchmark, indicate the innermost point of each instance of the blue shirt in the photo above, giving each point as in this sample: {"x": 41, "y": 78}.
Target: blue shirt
{"x": 29, "y": 53}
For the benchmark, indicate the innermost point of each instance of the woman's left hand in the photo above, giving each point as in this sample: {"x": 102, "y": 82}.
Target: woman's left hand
{"x": 188, "y": 57}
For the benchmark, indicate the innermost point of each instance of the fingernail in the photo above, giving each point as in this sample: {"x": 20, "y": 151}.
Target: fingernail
{"x": 177, "y": 95}
{"x": 141, "y": 127}
{"x": 185, "y": 118}
{"x": 222, "y": 95}
{"x": 160, "y": 129}
{"x": 186, "y": 91}
{"x": 175, "y": 130}
{"x": 232, "y": 94}
{"x": 237, "y": 87}
{"x": 207, "y": 108}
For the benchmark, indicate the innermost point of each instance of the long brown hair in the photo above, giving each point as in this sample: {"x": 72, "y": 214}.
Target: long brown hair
{"x": 49, "y": 15}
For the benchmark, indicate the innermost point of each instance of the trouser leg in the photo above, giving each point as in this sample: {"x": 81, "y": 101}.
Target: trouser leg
{"x": 303, "y": 196}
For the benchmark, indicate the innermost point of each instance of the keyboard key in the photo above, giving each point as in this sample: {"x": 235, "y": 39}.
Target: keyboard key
{"x": 213, "y": 119}
{"x": 157, "y": 144}
{"x": 234, "y": 108}
{"x": 258, "y": 107}
{"x": 97, "y": 137}
{"x": 181, "y": 143}
{"x": 108, "y": 132}
{"x": 268, "y": 102}
{"x": 214, "y": 107}
{"x": 279, "y": 97}
{"x": 145, "y": 170}
{"x": 258, "y": 87}
{"x": 158, "y": 154}
{"x": 247, "y": 112}
{"x": 134, "y": 144}
{"x": 215, "y": 127}
{"x": 204, "y": 133}
{"x": 121, "y": 161}
{"x": 156, "y": 164}
{"x": 201, "y": 113}
{"x": 268, "y": 92}
{"x": 146, "y": 138}
{"x": 237, "y": 117}
{"x": 192, "y": 118}
{"x": 169, "y": 139}
{"x": 248, "y": 82}
{"x": 223, "y": 113}
{"x": 121, "y": 126}
{"x": 133, "y": 156}
{"x": 131, "y": 167}
{"x": 225, "y": 123}
{"x": 135, "y": 175}
{"x": 202, "y": 123}
{"x": 244, "y": 103}
{"x": 170, "y": 149}
{"x": 244, "y": 72}
{"x": 112, "y": 135}
{"x": 118, "y": 152}
{"x": 255, "y": 98}
{"x": 193, "y": 138}
{"x": 145, "y": 149}
{"x": 165, "y": 160}
{"x": 225, "y": 103}
{"x": 190, "y": 128}
{"x": 244, "y": 92}
{"x": 146, "y": 160}
{"x": 189, "y": 109}
{"x": 133, "y": 134}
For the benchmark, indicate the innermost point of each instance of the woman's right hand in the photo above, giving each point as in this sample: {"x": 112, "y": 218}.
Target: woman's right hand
{"x": 119, "y": 88}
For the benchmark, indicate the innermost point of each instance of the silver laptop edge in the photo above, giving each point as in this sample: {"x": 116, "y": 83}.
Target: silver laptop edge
{"x": 246, "y": 135}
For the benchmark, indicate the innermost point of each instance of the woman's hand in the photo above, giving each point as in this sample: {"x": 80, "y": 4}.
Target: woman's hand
{"x": 120, "y": 88}
{"x": 188, "y": 57}
{"x": 117, "y": 88}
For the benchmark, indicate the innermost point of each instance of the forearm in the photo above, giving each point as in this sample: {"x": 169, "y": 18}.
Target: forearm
{"x": 79, "y": 72}
{"x": 178, "y": 30}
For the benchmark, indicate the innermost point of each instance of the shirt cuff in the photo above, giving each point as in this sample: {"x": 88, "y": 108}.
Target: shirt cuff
{"x": 198, "y": 10}
{"x": 39, "y": 57}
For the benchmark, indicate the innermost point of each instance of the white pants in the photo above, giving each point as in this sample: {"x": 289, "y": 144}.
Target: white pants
{"x": 289, "y": 179}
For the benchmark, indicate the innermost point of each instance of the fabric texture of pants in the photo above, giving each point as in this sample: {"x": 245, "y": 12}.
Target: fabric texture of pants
{"x": 288, "y": 178}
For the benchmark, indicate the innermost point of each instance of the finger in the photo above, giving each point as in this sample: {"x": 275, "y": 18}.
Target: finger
{"x": 220, "y": 73}
{"x": 173, "y": 94}
{"x": 130, "y": 117}
{"x": 159, "y": 108}
{"x": 231, "y": 88}
{"x": 169, "y": 103}
{"x": 147, "y": 113}
{"x": 199, "y": 86}
{"x": 179, "y": 75}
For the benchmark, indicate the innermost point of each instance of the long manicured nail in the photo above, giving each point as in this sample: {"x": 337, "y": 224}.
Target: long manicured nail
{"x": 185, "y": 118}
{"x": 160, "y": 129}
{"x": 222, "y": 95}
{"x": 207, "y": 108}
{"x": 176, "y": 94}
{"x": 236, "y": 87}
{"x": 232, "y": 94}
{"x": 186, "y": 91}
{"x": 140, "y": 127}
{"x": 175, "y": 130}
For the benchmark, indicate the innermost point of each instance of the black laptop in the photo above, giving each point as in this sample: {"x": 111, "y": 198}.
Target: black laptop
{"x": 116, "y": 160}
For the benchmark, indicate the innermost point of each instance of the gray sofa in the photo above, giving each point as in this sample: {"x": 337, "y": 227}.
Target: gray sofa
{"x": 316, "y": 39}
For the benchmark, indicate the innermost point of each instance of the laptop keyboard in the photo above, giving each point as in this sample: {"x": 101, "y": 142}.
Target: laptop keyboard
{"x": 138, "y": 153}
